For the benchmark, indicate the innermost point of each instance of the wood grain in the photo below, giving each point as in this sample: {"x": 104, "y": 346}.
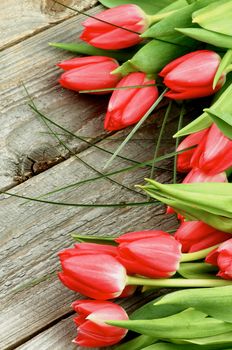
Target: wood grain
{"x": 32, "y": 233}
{"x": 25, "y": 18}
{"x": 59, "y": 336}
{"x": 22, "y": 139}
{"x": 35, "y": 306}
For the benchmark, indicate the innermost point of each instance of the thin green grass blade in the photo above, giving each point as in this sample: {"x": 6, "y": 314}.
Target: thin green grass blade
{"x": 137, "y": 126}
{"x": 84, "y": 205}
{"x": 160, "y": 138}
{"x": 93, "y": 17}
{"x": 180, "y": 122}
{"x": 131, "y": 168}
{"x": 119, "y": 88}
{"x": 87, "y": 164}
{"x": 80, "y": 159}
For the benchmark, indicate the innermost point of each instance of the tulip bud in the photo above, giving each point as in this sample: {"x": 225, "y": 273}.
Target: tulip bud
{"x": 184, "y": 158}
{"x": 196, "y": 235}
{"x": 128, "y": 106}
{"x": 196, "y": 175}
{"x": 89, "y": 73}
{"x": 92, "y": 329}
{"x": 96, "y": 274}
{"x": 222, "y": 257}
{"x": 214, "y": 153}
{"x": 154, "y": 254}
{"x": 109, "y": 36}
{"x": 191, "y": 76}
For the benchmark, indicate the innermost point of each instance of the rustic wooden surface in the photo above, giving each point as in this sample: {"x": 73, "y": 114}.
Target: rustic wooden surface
{"x": 35, "y": 306}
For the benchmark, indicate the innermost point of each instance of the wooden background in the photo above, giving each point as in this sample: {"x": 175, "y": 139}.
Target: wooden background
{"x": 36, "y": 311}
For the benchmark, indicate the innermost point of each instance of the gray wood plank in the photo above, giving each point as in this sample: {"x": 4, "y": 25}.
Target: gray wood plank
{"x": 32, "y": 233}
{"x": 24, "y": 18}
{"x": 60, "y": 335}
{"x": 23, "y": 145}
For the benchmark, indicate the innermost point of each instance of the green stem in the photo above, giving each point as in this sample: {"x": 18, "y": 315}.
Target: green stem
{"x": 177, "y": 282}
{"x": 201, "y": 254}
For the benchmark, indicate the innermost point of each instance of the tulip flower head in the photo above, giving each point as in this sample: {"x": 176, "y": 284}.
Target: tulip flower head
{"x": 154, "y": 254}
{"x": 214, "y": 153}
{"x": 222, "y": 257}
{"x": 128, "y": 106}
{"x": 184, "y": 158}
{"x": 196, "y": 175}
{"x": 103, "y": 31}
{"x": 89, "y": 73}
{"x": 91, "y": 327}
{"x": 96, "y": 274}
{"x": 191, "y": 76}
{"x": 196, "y": 235}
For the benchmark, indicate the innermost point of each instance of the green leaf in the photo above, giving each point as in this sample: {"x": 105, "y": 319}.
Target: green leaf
{"x": 174, "y": 5}
{"x": 137, "y": 343}
{"x": 207, "y": 202}
{"x": 170, "y": 346}
{"x": 149, "y": 6}
{"x": 214, "y": 197}
{"x": 198, "y": 124}
{"x": 225, "y": 62}
{"x": 180, "y": 18}
{"x": 216, "y": 39}
{"x": 223, "y": 121}
{"x": 86, "y": 49}
{"x": 215, "y": 302}
{"x": 222, "y": 103}
{"x": 94, "y": 239}
{"x": 215, "y": 17}
{"x": 153, "y": 56}
{"x": 197, "y": 270}
{"x": 215, "y": 342}
{"x": 187, "y": 324}
{"x": 149, "y": 312}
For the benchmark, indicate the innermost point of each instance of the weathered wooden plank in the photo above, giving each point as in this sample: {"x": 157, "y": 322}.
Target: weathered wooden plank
{"x": 24, "y": 18}
{"x": 54, "y": 338}
{"x": 59, "y": 336}
{"x": 23, "y": 145}
{"x": 33, "y": 233}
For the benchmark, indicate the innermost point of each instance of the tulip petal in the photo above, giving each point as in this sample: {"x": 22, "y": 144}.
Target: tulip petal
{"x": 83, "y": 61}
{"x": 196, "y": 71}
{"x": 173, "y": 64}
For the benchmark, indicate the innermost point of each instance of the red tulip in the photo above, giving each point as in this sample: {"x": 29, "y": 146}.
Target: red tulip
{"x": 192, "y": 75}
{"x": 127, "y": 106}
{"x": 184, "y": 159}
{"x": 92, "y": 329}
{"x": 89, "y": 73}
{"x": 154, "y": 254}
{"x": 214, "y": 153}
{"x": 196, "y": 235}
{"x": 196, "y": 175}
{"x": 110, "y": 36}
{"x": 96, "y": 274}
{"x": 222, "y": 257}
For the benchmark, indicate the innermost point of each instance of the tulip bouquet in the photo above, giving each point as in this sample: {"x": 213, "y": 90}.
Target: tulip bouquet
{"x": 140, "y": 52}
